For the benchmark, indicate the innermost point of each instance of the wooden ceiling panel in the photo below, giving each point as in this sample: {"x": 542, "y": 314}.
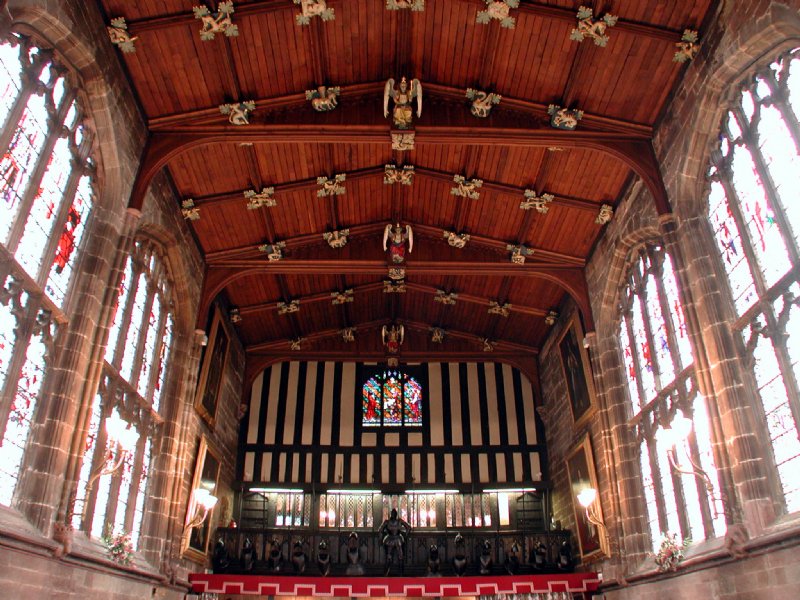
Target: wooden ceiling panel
{"x": 254, "y": 290}
{"x": 272, "y": 55}
{"x": 181, "y": 80}
{"x": 533, "y": 62}
{"x": 350, "y": 56}
{"x": 143, "y": 9}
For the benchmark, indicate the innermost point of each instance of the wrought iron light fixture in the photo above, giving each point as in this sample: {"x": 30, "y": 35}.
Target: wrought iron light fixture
{"x": 587, "y": 498}
{"x": 123, "y": 438}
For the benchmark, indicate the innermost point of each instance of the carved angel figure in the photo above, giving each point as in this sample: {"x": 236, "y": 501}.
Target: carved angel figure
{"x": 402, "y": 97}
{"x": 394, "y": 240}
{"x": 323, "y": 98}
{"x": 392, "y": 337}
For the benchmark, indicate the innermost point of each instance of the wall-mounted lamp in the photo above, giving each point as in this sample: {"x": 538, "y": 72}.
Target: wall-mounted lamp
{"x": 204, "y": 503}
{"x": 123, "y": 439}
{"x": 678, "y": 436}
{"x": 587, "y": 498}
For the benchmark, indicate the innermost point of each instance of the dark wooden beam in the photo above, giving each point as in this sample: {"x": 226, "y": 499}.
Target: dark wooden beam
{"x": 282, "y": 345}
{"x": 218, "y": 277}
{"x": 377, "y": 286}
{"x": 358, "y": 91}
{"x": 541, "y": 256}
{"x": 633, "y": 150}
{"x": 424, "y": 172}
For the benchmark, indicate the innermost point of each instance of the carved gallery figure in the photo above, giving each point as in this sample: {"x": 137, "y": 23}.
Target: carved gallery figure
{"x": 270, "y": 329}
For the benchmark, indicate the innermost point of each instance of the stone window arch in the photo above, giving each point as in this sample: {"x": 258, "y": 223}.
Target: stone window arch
{"x": 47, "y": 191}
{"x": 135, "y": 368}
{"x": 659, "y": 367}
{"x": 754, "y": 212}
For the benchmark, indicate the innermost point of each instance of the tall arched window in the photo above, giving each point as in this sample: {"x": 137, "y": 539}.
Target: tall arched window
{"x": 754, "y": 209}
{"x": 46, "y": 195}
{"x": 659, "y": 365}
{"x": 137, "y": 354}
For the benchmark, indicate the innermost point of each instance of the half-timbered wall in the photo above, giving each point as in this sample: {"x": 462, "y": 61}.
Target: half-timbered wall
{"x": 480, "y": 427}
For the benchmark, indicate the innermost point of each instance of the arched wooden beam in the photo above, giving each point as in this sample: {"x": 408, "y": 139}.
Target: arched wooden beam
{"x": 280, "y": 345}
{"x": 571, "y": 279}
{"x": 635, "y": 151}
{"x": 556, "y": 259}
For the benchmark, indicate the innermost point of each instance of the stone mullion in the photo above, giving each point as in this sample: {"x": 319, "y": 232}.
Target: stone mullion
{"x": 622, "y": 455}
{"x": 55, "y": 127}
{"x": 641, "y": 297}
{"x": 702, "y": 492}
{"x": 136, "y": 476}
{"x": 78, "y": 170}
{"x": 655, "y": 475}
{"x": 144, "y": 326}
{"x": 98, "y": 459}
{"x": 30, "y": 83}
{"x": 680, "y": 501}
{"x": 166, "y": 508}
{"x": 779, "y": 337}
{"x": 672, "y": 338}
{"x": 157, "y": 352}
{"x": 750, "y": 138}
{"x": 86, "y": 386}
{"x": 637, "y": 367}
{"x": 746, "y": 480}
{"x": 23, "y": 333}
{"x": 127, "y": 310}
{"x": 112, "y": 503}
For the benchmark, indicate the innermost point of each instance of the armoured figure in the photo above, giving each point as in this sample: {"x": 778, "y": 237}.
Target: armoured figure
{"x": 394, "y": 533}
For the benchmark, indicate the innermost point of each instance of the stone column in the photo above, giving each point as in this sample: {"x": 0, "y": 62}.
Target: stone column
{"x": 55, "y": 444}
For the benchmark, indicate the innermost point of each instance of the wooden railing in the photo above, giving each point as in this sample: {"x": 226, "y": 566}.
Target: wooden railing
{"x": 372, "y": 554}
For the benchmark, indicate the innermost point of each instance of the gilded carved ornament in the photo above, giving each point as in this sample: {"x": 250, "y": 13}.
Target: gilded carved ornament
{"x": 264, "y": 198}
{"x": 324, "y": 99}
{"x": 216, "y": 22}
{"x": 466, "y": 188}
{"x": 482, "y": 102}
{"x": 313, "y": 8}
{"x": 238, "y": 113}
{"x": 499, "y": 11}
{"x": 119, "y": 36}
{"x": 589, "y": 27}
{"x": 336, "y": 239}
{"x": 189, "y": 211}
{"x": 534, "y": 201}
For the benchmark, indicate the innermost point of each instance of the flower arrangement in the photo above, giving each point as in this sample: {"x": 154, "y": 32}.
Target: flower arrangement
{"x": 119, "y": 547}
{"x": 670, "y": 552}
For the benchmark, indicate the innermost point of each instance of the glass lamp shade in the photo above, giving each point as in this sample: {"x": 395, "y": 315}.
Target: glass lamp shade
{"x": 587, "y": 496}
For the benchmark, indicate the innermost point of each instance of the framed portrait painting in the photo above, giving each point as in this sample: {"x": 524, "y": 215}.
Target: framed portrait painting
{"x": 206, "y": 476}
{"x": 213, "y": 366}
{"x": 581, "y": 474}
{"x": 577, "y": 371}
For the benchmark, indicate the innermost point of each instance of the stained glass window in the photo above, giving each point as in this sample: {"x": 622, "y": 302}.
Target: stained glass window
{"x": 659, "y": 368}
{"x": 133, "y": 378}
{"x": 46, "y": 197}
{"x": 391, "y": 398}
{"x": 755, "y": 214}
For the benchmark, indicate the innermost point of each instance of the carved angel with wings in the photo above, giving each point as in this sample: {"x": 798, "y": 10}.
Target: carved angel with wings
{"x": 392, "y": 337}
{"x": 394, "y": 240}
{"x": 402, "y": 97}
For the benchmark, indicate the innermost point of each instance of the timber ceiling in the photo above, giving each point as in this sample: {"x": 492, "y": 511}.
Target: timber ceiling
{"x": 181, "y": 81}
